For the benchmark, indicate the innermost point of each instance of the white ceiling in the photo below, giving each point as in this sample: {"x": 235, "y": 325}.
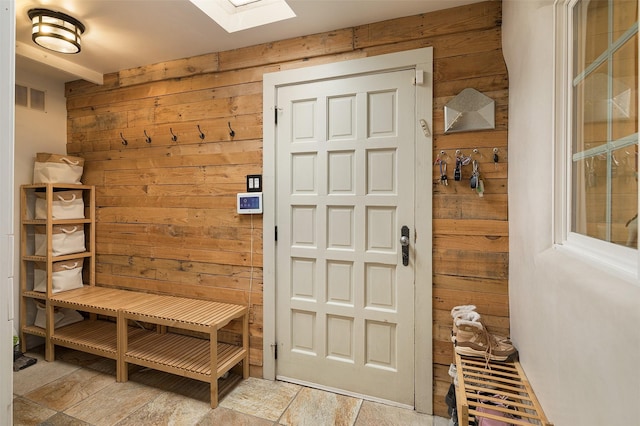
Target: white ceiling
{"x": 124, "y": 34}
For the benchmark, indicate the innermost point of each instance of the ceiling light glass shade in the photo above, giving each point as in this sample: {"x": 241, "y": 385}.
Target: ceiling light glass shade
{"x": 55, "y": 30}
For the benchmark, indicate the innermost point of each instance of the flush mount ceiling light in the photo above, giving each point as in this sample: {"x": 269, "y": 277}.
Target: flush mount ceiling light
{"x": 236, "y": 15}
{"x": 55, "y": 30}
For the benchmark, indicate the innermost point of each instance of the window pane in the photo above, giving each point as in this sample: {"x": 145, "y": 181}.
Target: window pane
{"x": 605, "y": 121}
{"x": 625, "y": 90}
{"x": 625, "y": 14}
{"x": 589, "y": 197}
{"x": 590, "y": 111}
{"x": 624, "y": 196}
{"x": 591, "y": 32}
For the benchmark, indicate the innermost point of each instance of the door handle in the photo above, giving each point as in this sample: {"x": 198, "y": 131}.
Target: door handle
{"x": 404, "y": 242}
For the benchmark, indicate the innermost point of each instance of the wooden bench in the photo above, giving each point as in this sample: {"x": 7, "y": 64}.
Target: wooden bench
{"x": 180, "y": 354}
{"x": 481, "y": 386}
{"x": 176, "y": 353}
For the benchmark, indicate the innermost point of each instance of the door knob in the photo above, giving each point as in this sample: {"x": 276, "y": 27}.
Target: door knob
{"x": 404, "y": 242}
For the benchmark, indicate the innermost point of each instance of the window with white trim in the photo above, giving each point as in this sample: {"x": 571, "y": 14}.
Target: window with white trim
{"x": 597, "y": 125}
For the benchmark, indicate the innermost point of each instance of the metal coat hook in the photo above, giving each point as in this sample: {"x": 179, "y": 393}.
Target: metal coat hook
{"x": 173, "y": 137}
{"x": 124, "y": 141}
{"x": 201, "y": 134}
{"x": 232, "y": 133}
{"x": 147, "y": 138}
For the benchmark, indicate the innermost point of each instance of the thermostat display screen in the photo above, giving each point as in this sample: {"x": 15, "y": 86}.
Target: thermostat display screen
{"x": 250, "y": 202}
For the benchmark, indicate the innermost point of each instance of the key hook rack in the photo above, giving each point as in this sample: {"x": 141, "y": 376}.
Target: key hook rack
{"x": 476, "y": 153}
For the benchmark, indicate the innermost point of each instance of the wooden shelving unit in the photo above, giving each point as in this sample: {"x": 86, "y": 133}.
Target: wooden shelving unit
{"x": 28, "y": 224}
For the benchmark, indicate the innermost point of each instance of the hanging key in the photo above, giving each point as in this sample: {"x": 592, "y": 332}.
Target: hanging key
{"x": 475, "y": 175}
{"x": 457, "y": 173}
{"x": 444, "y": 180}
{"x": 480, "y": 188}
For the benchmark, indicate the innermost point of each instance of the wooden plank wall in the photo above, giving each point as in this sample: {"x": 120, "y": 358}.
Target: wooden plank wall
{"x": 166, "y": 217}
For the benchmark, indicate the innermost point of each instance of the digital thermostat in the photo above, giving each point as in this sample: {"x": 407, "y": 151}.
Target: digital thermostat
{"x": 249, "y": 202}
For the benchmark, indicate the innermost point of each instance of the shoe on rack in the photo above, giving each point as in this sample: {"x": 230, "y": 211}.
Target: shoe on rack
{"x": 462, "y": 308}
{"x": 468, "y": 313}
{"x": 473, "y": 339}
{"x": 464, "y": 315}
{"x": 458, "y": 311}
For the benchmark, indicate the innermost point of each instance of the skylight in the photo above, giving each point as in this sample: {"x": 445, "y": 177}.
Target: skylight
{"x": 237, "y": 15}
{"x": 238, "y": 3}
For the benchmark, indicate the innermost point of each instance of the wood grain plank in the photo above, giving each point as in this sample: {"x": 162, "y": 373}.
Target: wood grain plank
{"x": 173, "y": 69}
{"x": 473, "y": 65}
{"x": 471, "y": 227}
{"x": 474, "y": 17}
{"x": 286, "y": 50}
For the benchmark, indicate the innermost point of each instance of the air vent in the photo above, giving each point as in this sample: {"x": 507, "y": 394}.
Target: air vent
{"x": 22, "y": 95}
{"x": 30, "y": 98}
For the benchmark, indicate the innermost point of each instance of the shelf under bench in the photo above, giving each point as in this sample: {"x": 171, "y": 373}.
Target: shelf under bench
{"x": 97, "y": 337}
{"x": 183, "y": 355}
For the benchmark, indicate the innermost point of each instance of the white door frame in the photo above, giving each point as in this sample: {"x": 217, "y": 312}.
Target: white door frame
{"x": 421, "y": 60}
{"x": 7, "y": 123}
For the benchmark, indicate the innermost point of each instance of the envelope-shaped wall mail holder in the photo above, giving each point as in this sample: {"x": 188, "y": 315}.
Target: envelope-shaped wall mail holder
{"x": 469, "y": 110}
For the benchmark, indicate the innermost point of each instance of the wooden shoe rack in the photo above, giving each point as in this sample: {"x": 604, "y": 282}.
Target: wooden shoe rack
{"x": 495, "y": 390}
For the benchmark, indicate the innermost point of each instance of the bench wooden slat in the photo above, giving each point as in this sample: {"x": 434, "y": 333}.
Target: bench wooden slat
{"x": 479, "y": 381}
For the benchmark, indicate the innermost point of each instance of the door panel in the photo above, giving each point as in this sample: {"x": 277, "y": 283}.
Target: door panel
{"x": 345, "y": 187}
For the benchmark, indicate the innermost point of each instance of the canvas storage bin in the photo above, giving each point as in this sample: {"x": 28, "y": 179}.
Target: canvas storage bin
{"x": 55, "y": 168}
{"x": 61, "y": 316}
{"x": 65, "y": 239}
{"x": 66, "y": 275}
{"x": 64, "y": 205}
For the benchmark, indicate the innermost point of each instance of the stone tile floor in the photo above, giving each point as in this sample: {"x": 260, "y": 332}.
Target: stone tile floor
{"x": 79, "y": 389}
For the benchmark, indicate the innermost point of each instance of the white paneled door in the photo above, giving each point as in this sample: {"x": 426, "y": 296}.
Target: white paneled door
{"x": 345, "y": 188}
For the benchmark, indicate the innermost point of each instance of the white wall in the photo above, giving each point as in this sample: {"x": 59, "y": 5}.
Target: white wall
{"x": 575, "y": 325}
{"x": 35, "y": 131}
